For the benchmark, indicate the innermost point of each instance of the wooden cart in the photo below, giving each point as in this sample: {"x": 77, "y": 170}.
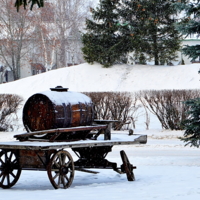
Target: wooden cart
{"x": 51, "y": 155}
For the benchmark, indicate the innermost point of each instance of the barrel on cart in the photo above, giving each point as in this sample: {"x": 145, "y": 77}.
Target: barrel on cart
{"x": 58, "y": 108}
{"x": 59, "y": 119}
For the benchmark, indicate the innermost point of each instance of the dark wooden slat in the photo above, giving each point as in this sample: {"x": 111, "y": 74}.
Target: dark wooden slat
{"x": 63, "y": 130}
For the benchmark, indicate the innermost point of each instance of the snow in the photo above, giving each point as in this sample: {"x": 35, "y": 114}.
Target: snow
{"x": 85, "y": 77}
{"x": 166, "y": 169}
{"x": 58, "y": 98}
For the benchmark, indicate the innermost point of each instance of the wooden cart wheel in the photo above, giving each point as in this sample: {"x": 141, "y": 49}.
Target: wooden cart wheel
{"x": 127, "y": 167}
{"x": 61, "y": 170}
{"x": 10, "y": 169}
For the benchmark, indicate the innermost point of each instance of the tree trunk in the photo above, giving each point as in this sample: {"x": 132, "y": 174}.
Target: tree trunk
{"x": 62, "y": 54}
{"x": 155, "y": 48}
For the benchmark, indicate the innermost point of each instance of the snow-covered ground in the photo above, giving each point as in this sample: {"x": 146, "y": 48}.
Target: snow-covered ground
{"x": 85, "y": 77}
{"x": 166, "y": 169}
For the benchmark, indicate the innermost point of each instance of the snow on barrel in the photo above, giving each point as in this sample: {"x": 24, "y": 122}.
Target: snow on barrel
{"x": 57, "y": 108}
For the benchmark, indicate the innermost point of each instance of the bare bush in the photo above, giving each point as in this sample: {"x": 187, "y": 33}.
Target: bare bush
{"x": 119, "y": 106}
{"x": 168, "y": 105}
{"x": 9, "y": 105}
{"x": 122, "y": 107}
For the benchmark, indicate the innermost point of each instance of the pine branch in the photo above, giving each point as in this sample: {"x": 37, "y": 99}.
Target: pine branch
{"x": 25, "y": 3}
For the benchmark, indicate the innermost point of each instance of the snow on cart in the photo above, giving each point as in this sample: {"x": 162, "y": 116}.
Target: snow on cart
{"x": 55, "y": 121}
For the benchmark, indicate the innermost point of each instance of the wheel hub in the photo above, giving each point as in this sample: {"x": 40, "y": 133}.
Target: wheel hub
{"x": 7, "y": 168}
{"x": 63, "y": 170}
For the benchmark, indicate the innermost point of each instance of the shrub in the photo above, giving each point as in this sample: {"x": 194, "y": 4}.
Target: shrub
{"x": 168, "y": 106}
{"x": 119, "y": 106}
{"x": 9, "y": 104}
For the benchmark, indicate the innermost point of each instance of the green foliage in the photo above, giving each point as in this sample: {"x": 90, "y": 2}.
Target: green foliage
{"x": 142, "y": 59}
{"x": 152, "y": 25}
{"x": 192, "y": 51}
{"x": 192, "y": 124}
{"x": 25, "y": 3}
{"x": 190, "y": 24}
{"x": 103, "y": 43}
{"x": 120, "y": 27}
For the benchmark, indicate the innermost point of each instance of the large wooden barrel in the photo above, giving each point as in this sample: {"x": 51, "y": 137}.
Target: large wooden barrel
{"x": 57, "y": 108}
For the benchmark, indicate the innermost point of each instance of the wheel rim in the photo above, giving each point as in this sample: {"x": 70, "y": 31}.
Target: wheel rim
{"x": 61, "y": 170}
{"x": 9, "y": 168}
{"x": 128, "y": 168}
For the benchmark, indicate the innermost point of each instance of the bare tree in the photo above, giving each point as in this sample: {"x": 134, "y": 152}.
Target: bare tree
{"x": 16, "y": 31}
{"x": 2, "y": 73}
{"x": 46, "y": 41}
{"x": 69, "y": 18}
{"x": 49, "y": 35}
{"x": 57, "y": 32}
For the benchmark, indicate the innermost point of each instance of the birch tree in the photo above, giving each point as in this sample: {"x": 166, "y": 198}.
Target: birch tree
{"x": 70, "y": 16}
{"x": 46, "y": 40}
{"x": 15, "y": 31}
{"x": 58, "y": 27}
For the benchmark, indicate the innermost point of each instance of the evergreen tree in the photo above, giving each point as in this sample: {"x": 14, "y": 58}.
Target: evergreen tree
{"x": 190, "y": 25}
{"x": 103, "y": 42}
{"x": 152, "y": 25}
{"x": 25, "y": 3}
{"x": 192, "y": 125}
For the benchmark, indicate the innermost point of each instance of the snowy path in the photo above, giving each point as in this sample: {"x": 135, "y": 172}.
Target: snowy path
{"x": 165, "y": 170}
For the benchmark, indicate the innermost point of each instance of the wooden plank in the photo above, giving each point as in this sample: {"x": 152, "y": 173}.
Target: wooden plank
{"x": 137, "y": 139}
{"x": 63, "y": 130}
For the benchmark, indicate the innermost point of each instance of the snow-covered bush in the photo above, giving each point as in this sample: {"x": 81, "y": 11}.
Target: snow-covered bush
{"x": 9, "y": 104}
{"x": 168, "y": 106}
{"x": 119, "y": 106}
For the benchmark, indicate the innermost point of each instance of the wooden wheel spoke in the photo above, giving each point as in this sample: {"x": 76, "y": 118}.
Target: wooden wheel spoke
{"x": 60, "y": 159}
{"x": 56, "y": 170}
{"x": 6, "y": 157}
{"x": 59, "y": 180}
{"x": 8, "y": 179}
{"x": 63, "y": 181}
{"x": 63, "y": 159}
{"x": 2, "y": 161}
{"x": 56, "y": 164}
{"x": 2, "y": 180}
{"x": 10, "y": 157}
{"x": 14, "y": 161}
{"x": 68, "y": 163}
{"x": 56, "y": 175}
{"x": 13, "y": 175}
{"x": 66, "y": 177}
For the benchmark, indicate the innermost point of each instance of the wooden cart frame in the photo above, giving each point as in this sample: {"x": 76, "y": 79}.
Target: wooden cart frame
{"x": 52, "y": 156}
